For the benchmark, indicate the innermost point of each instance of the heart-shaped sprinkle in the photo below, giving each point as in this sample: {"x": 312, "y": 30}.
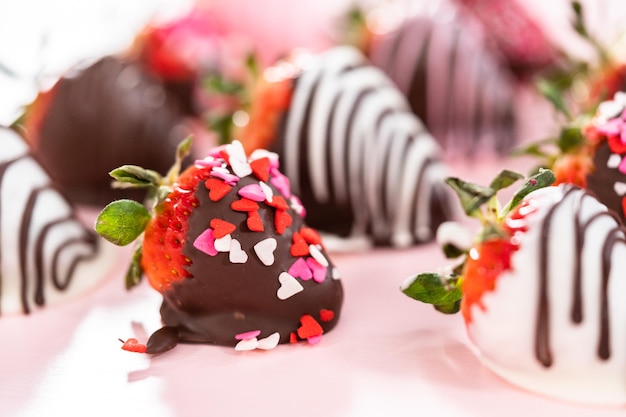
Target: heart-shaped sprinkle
{"x": 299, "y": 247}
{"x": 254, "y": 221}
{"x": 217, "y": 151}
{"x": 267, "y": 190}
{"x": 282, "y": 220}
{"x": 278, "y": 202}
{"x": 310, "y": 235}
{"x": 289, "y": 286}
{"x": 309, "y": 327}
{"x": 269, "y": 342}
{"x": 265, "y": 251}
{"x": 264, "y": 153}
{"x": 318, "y": 270}
{"x": 248, "y": 335}
{"x": 224, "y": 174}
{"x": 326, "y": 315}
{"x": 314, "y": 340}
{"x": 252, "y": 192}
{"x": 619, "y": 188}
{"x": 293, "y": 338}
{"x": 223, "y": 244}
{"x": 237, "y": 255}
{"x": 217, "y": 188}
{"x": 318, "y": 255}
{"x": 614, "y": 161}
{"x": 244, "y": 205}
{"x": 624, "y": 206}
{"x": 335, "y": 274}
{"x": 261, "y": 168}
{"x": 248, "y": 344}
{"x": 299, "y": 269}
{"x": 221, "y": 228}
{"x": 237, "y": 159}
{"x": 133, "y": 345}
{"x": 281, "y": 182}
{"x": 208, "y": 162}
{"x": 205, "y": 242}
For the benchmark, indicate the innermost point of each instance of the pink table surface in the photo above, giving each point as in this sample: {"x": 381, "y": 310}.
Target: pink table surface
{"x": 389, "y": 355}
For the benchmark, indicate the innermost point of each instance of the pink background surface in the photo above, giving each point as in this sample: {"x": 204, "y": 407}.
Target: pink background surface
{"x": 389, "y": 355}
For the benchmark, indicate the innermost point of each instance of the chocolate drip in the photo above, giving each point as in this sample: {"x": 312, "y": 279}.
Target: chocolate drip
{"x": 543, "y": 351}
{"x": 23, "y": 246}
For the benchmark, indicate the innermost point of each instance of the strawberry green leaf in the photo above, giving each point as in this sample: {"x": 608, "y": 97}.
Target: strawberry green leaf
{"x": 182, "y": 150}
{"x": 554, "y": 95}
{"x": 570, "y": 138}
{"x": 505, "y": 179}
{"x": 134, "y": 273}
{"x": 432, "y": 288}
{"x": 132, "y": 176}
{"x": 544, "y": 178}
{"x": 472, "y": 196}
{"x": 122, "y": 221}
{"x": 450, "y": 308}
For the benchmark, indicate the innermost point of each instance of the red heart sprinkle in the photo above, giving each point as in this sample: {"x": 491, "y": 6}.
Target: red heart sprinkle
{"x": 244, "y": 204}
{"x": 293, "y": 338}
{"x": 624, "y": 205}
{"x": 254, "y": 221}
{"x": 217, "y": 188}
{"x": 326, "y": 315}
{"x": 221, "y": 228}
{"x": 261, "y": 168}
{"x": 279, "y": 203}
{"x": 133, "y": 345}
{"x": 311, "y": 236}
{"x": 282, "y": 220}
{"x": 310, "y": 327}
{"x": 299, "y": 246}
{"x": 224, "y": 154}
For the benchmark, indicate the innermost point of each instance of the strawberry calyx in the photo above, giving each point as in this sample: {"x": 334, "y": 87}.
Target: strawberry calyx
{"x": 479, "y": 263}
{"x": 124, "y": 221}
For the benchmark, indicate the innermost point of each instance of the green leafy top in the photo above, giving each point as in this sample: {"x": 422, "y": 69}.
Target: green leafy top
{"x": 122, "y": 222}
{"x": 443, "y": 290}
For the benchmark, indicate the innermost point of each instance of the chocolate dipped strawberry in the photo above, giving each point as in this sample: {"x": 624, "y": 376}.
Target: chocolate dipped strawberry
{"x": 540, "y": 290}
{"x": 226, "y": 245}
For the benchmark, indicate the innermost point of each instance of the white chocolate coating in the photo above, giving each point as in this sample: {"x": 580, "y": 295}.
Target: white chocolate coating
{"x": 563, "y": 360}
{"x": 38, "y": 223}
{"x": 363, "y": 149}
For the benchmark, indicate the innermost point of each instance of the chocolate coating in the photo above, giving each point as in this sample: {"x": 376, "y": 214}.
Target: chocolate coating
{"x": 110, "y": 114}
{"x": 223, "y": 299}
{"x": 602, "y": 180}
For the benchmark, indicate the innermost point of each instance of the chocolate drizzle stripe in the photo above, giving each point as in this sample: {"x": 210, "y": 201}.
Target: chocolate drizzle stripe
{"x": 543, "y": 351}
{"x": 23, "y": 245}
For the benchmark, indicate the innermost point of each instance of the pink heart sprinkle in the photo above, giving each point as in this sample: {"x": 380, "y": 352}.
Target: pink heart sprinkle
{"x": 314, "y": 340}
{"x": 253, "y": 192}
{"x": 281, "y": 182}
{"x": 229, "y": 179}
{"x": 216, "y": 152}
{"x": 612, "y": 127}
{"x": 247, "y": 335}
{"x": 205, "y": 242}
{"x": 207, "y": 162}
{"x": 300, "y": 269}
{"x": 318, "y": 270}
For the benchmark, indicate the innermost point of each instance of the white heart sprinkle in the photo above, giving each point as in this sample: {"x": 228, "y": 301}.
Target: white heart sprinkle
{"x": 237, "y": 255}
{"x": 289, "y": 286}
{"x": 318, "y": 255}
{"x": 223, "y": 244}
{"x": 613, "y": 161}
{"x": 237, "y": 159}
{"x": 267, "y": 190}
{"x": 265, "y": 250}
{"x": 620, "y": 188}
{"x": 247, "y": 344}
{"x": 335, "y": 274}
{"x": 610, "y": 109}
{"x": 270, "y": 342}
